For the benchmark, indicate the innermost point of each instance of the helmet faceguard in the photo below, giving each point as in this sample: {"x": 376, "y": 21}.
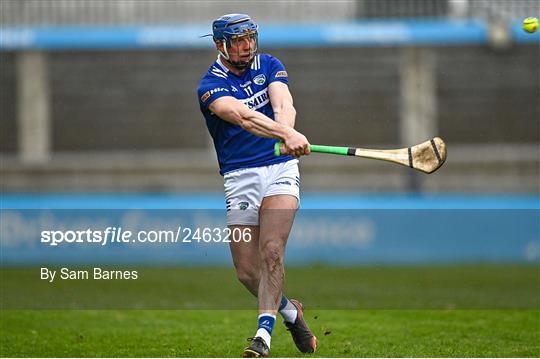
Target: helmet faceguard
{"x": 235, "y": 27}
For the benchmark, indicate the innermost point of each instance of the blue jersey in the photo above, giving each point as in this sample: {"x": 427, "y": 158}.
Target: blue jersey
{"x": 237, "y": 148}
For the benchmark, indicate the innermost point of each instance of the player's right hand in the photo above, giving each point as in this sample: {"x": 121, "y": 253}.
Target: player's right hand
{"x": 296, "y": 144}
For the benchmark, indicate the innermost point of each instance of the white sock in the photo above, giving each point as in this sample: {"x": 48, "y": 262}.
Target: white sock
{"x": 289, "y": 312}
{"x": 261, "y": 332}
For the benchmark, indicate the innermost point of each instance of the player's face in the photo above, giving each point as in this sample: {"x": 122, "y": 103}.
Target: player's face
{"x": 243, "y": 48}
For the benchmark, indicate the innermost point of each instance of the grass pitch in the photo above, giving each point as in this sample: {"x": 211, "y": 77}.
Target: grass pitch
{"x": 452, "y": 311}
{"x": 217, "y": 333}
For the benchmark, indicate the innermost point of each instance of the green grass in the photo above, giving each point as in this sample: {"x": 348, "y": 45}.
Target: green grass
{"x": 427, "y": 311}
{"x": 215, "y": 333}
{"x": 322, "y": 287}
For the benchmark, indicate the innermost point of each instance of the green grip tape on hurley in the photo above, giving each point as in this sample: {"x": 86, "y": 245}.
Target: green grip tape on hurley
{"x": 336, "y": 150}
{"x": 277, "y": 151}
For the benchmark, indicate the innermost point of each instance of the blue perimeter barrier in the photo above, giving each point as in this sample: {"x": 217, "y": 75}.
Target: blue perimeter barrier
{"x": 339, "y": 229}
{"x": 360, "y": 33}
{"x": 310, "y": 200}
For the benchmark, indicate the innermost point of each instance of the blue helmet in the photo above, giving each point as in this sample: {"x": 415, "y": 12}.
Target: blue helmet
{"x": 230, "y": 26}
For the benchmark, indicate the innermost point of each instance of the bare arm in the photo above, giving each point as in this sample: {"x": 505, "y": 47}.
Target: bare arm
{"x": 282, "y": 103}
{"x": 231, "y": 110}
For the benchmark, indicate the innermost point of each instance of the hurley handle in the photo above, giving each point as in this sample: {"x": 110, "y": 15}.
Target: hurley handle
{"x": 336, "y": 150}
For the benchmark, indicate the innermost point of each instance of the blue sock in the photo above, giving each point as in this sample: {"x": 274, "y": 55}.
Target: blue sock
{"x": 283, "y": 303}
{"x": 267, "y": 321}
{"x": 266, "y": 326}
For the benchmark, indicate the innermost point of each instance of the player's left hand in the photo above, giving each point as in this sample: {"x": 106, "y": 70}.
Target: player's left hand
{"x": 296, "y": 144}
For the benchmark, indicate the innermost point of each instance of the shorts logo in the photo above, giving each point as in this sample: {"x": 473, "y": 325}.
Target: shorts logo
{"x": 259, "y": 79}
{"x": 281, "y": 74}
{"x": 205, "y": 96}
{"x": 243, "y": 205}
{"x": 283, "y": 182}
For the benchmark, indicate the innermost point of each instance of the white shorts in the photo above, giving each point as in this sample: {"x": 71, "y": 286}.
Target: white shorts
{"x": 245, "y": 189}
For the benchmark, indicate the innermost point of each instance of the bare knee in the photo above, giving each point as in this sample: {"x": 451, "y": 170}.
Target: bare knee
{"x": 272, "y": 254}
{"x": 248, "y": 276}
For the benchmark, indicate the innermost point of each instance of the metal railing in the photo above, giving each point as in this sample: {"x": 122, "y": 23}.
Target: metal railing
{"x": 503, "y": 11}
{"x": 401, "y": 8}
{"x": 124, "y": 12}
